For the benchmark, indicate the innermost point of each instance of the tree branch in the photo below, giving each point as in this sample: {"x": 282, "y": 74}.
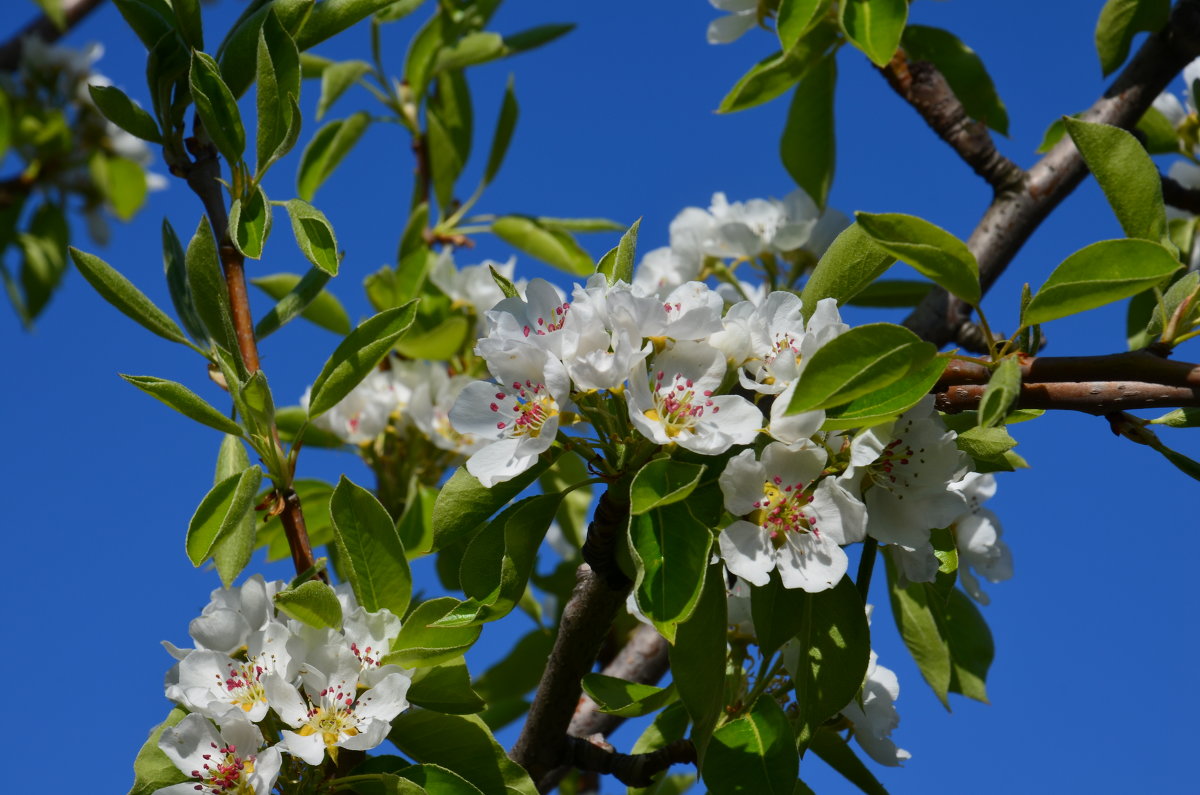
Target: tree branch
{"x": 1014, "y": 215}
{"x": 634, "y": 770}
{"x": 925, "y": 88}
{"x": 45, "y": 29}
{"x": 594, "y": 604}
{"x": 1179, "y": 196}
{"x": 1131, "y": 366}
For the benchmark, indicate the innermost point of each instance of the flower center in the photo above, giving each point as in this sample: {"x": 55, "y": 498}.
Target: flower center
{"x": 544, "y": 325}
{"x": 677, "y": 406}
{"x": 367, "y": 657}
{"x": 532, "y": 407}
{"x": 332, "y": 719}
{"x": 242, "y": 684}
{"x": 897, "y": 467}
{"x": 782, "y": 510}
{"x": 223, "y": 771}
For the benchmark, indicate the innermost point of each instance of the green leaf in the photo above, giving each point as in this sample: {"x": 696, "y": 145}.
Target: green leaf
{"x": 888, "y": 402}
{"x": 123, "y": 112}
{"x": 313, "y": 603}
{"x": 473, "y": 48}
{"x": 207, "y": 287}
{"x": 913, "y": 609}
{"x": 892, "y": 293}
{"x": 433, "y": 778}
{"x": 232, "y": 553}
{"x": 217, "y": 108}
{"x": 305, "y": 297}
{"x": 795, "y": 18}
{"x": 314, "y": 235}
{"x": 278, "y": 66}
{"x": 122, "y": 182}
{"x": 149, "y": 19}
{"x": 1119, "y": 21}
{"x": 834, "y": 751}
{"x": 620, "y": 266}
{"x": 326, "y": 150}
{"x": 1159, "y": 134}
{"x": 626, "y": 699}
{"x": 671, "y": 550}
{"x": 506, "y": 123}
{"x": 506, "y": 286}
{"x": 1126, "y": 174}
{"x": 420, "y": 645}
{"x": 860, "y": 361}
{"x": 808, "y": 147}
{"x": 874, "y": 26}
{"x": 580, "y": 224}
{"x": 445, "y": 162}
{"x": 185, "y": 401}
{"x": 152, "y": 769}
{"x": 336, "y": 78}
{"x": 548, "y": 244}
{"x": 1099, "y": 274}
{"x": 963, "y": 70}
{"x": 463, "y": 503}
{"x": 775, "y": 74}
{"x": 398, "y": 10}
{"x": 984, "y": 442}
{"x": 535, "y": 37}
{"x": 187, "y": 17}
{"x": 755, "y": 753}
{"x": 444, "y": 341}
{"x": 372, "y": 557}
{"x": 661, "y": 482}
{"x": 422, "y": 49}
{"x": 933, "y": 251}
{"x": 698, "y": 660}
{"x": 445, "y": 688}
{"x": 118, "y": 291}
{"x": 331, "y": 17}
{"x": 220, "y": 512}
{"x": 250, "y": 222}
{"x": 175, "y": 269}
{"x": 357, "y": 355}
{"x": 1001, "y": 393}
{"x": 1188, "y": 417}
{"x": 44, "y": 251}
{"x": 778, "y": 614}
{"x": 971, "y": 647}
{"x": 832, "y": 650}
{"x": 846, "y": 268}
{"x": 463, "y": 744}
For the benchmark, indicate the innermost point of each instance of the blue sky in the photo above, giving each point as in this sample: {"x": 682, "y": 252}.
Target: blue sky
{"x": 1095, "y": 634}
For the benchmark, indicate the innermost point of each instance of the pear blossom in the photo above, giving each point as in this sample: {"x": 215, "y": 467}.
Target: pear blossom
{"x": 691, "y": 311}
{"x": 746, "y": 229}
{"x": 228, "y": 763}
{"x": 517, "y": 419}
{"x": 874, "y": 717}
{"x": 225, "y": 623}
{"x": 675, "y": 403}
{"x": 904, "y": 469}
{"x": 793, "y": 518}
{"x": 738, "y": 610}
{"x": 741, "y": 17}
{"x": 333, "y": 712}
{"x": 473, "y": 285}
{"x": 610, "y": 337}
{"x": 663, "y": 269}
{"x": 540, "y": 319}
{"x": 977, "y": 536}
{"x": 366, "y": 636}
{"x": 429, "y": 411}
{"x": 363, "y": 414}
{"x": 779, "y": 341}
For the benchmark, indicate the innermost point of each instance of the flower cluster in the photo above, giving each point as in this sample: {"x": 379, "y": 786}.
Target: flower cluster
{"x": 328, "y": 687}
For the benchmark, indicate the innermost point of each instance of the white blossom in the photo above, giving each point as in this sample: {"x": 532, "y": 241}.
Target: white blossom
{"x": 874, "y": 718}
{"x": 977, "y": 536}
{"x": 363, "y": 414}
{"x": 741, "y": 16}
{"x": 228, "y": 763}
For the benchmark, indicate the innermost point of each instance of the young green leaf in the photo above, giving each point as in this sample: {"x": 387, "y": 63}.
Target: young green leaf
{"x": 698, "y": 659}
{"x": 278, "y": 66}
{"x": 835, "y": 751}
{"x": 326, "y": 150}
{"x": 331, "y": 17}
{"x": 121, "y": 111}
{"x": 754, "y": 753}
{"x": 336, "y": 79}
{"x": 219, "y": 513}
{"x": 250, "y": 222}
{"x": 149, "y": 19}
{"x": 445, "y": 688}
{"x": 775, "y": 74}
{"x": 506, "y": 286}
{"x": 445, "y": 162}
{"x": 463, "y": 503}
{"x": 313, "y": 603}
{"x": 233, "y": 551}
{"x": 537, "y": 36}
{"x": 185, "y": 401}
{"x": 217, "y": 108}
{"x": 661, "y": 482}
{"x": 207, "y": 287}
{"x": 1126, "y": 174}
{"x": 626, "y": 699}
{"x": 1099, "y": 274}
{"x": 506, "y": 122}
{"x": 373, "y": 558}
{"x": 550, "y": 245}
{"x": 1188, "y": 417}
{"x": 808, "y": 146}
{"x": 357, "y": 356}
{"x": 933, "y": 251}
{"x": 617, "y": 265}
{"x": 963, "y": 70}
{"x": 795, "y": 18}
{"x": 421, "y": 645}
{"x": 314, "y": 235}
{"x": 671, "y": 552}
{"x": 463, "y": 744}
{"x": 888, "y": 402}
{"x": 306, "y": 297}
{"x": 1119, "y": 21}
{"x": 862, "y": 360}
{"x": 1001, "y": 393}
{"x": 153, "y": 770}
{"x": 846, "y": 268}
{"x": 892, "y": 293}
{"x": 874, "y": 26}
{"x": 175, "y": 268}
{"x": 131, "y": 301}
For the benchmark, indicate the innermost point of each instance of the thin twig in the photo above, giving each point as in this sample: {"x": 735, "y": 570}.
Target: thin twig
{"x": 1014, "y": 215}
{"x": 1129, "y": 366}
{"x": 45, "y": 29}
{"x": 634, "y": 770}
{"x": 1180, "y": 196}
{"x": 1092, "y": 397}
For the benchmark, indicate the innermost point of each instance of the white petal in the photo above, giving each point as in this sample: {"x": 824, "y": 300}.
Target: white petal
{"x": 723, "y": 30}
{"x": 746, "y": 550}
{"x": 809, "y": 562}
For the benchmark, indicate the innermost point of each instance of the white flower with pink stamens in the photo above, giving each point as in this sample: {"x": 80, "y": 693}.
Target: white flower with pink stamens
{"x": 334, "y": 713}
{"x": 675, "y": 402}
{"x": 229, "y": 763}
{"x": 540, "y": 319}
{"x": 793, "y": 520}
{"x": 516, "y": 419}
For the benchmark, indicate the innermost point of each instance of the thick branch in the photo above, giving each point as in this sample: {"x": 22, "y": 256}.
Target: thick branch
{"x": 1180, "y": 196}
{"x": 1014, "y": 215}
{"x": 594, "y": 604}
{"x": 634, "y": 770}
{"x": 1093, "y": 397}
{"x": 643, "y": 660}
{"x": 44, "y": 29}
{"x": 925, "y": 88}
{"x": 1131, "y": 366}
